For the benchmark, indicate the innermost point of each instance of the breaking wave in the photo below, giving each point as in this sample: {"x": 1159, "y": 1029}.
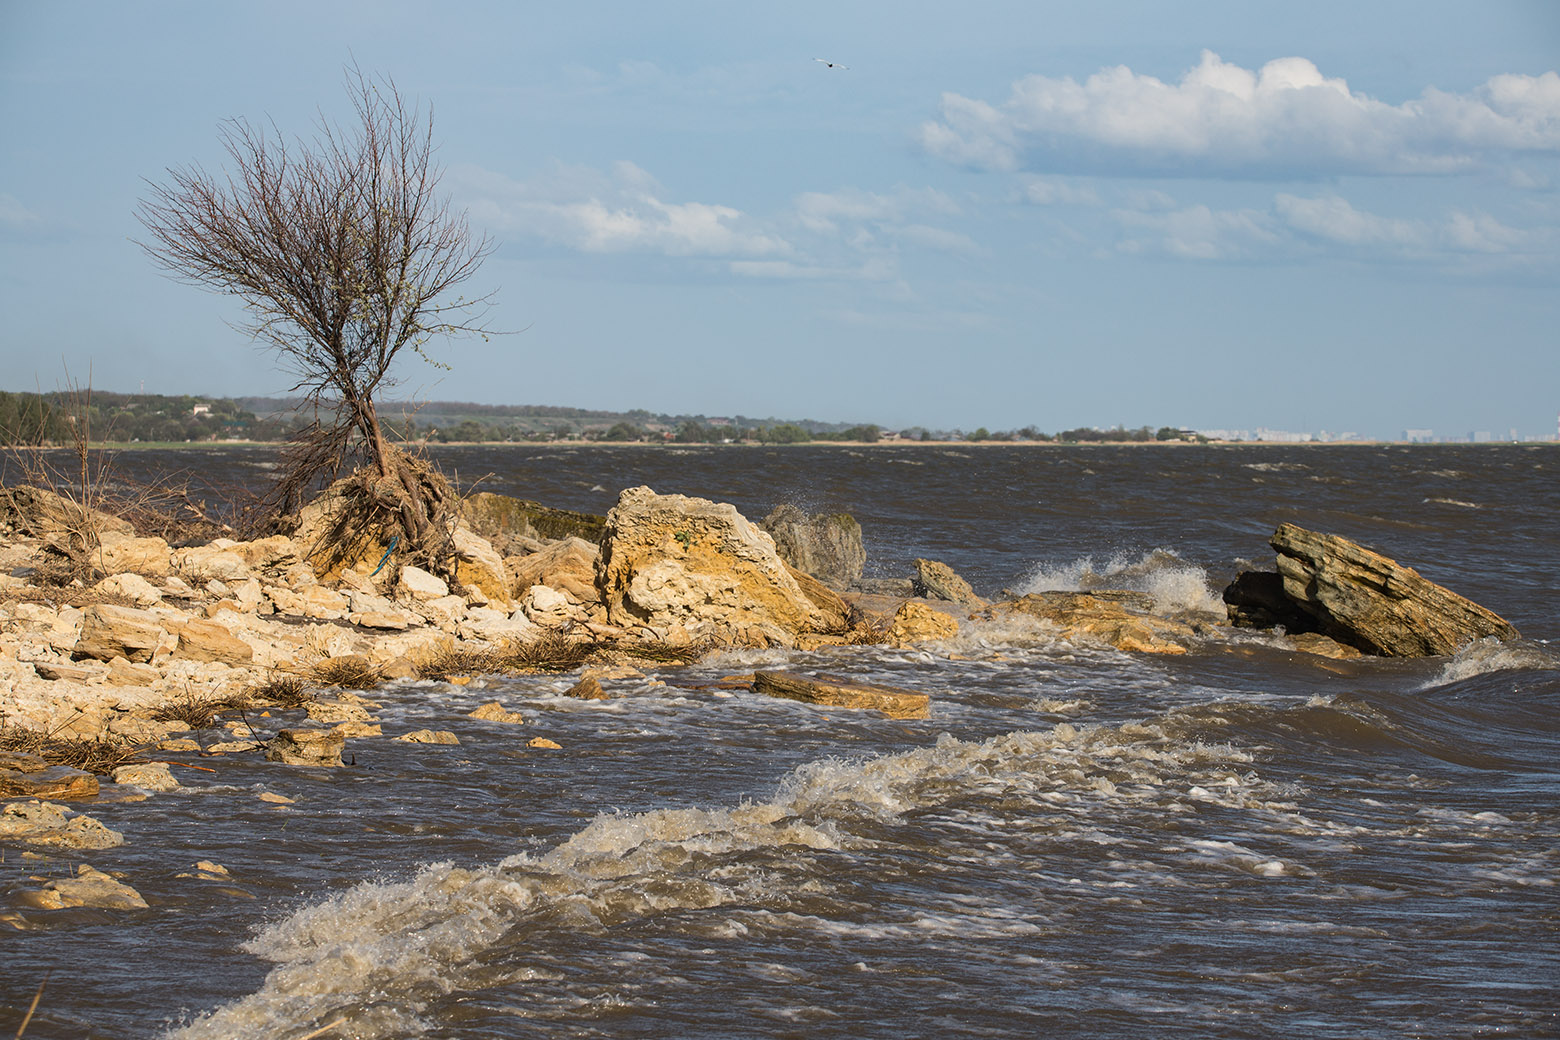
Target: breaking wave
{"x": 1483, "y": 656}
{"x": 1174, "y": 584}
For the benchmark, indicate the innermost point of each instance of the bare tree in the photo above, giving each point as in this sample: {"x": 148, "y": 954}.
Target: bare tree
{"x": 344, "y": 253}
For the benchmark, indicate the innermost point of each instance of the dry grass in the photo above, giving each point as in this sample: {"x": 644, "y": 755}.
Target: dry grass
{"x": 549, "y": 652}
{"x": 282, "y": 691}
{"x": 352, "y": 672}
{"x": 201, "y": 712}
{"x": 451, "y": 660}
{"x": 101, "y": 754}
{"x": 664, "y": 653}
{"x": 866, "y": 629}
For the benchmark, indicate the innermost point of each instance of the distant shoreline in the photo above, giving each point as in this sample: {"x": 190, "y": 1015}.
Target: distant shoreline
{"x": 663, "y": 445}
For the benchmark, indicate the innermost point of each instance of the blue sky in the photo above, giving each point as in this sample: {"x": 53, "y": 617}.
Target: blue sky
{"x": 1334, "y": 216}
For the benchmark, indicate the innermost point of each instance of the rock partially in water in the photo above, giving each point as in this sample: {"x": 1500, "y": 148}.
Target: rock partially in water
{"x": 826, "y": 546}
{"x": 1368, "y": 601}
{"x": 1256, "y": 599}
{"x": 1119, "y": 619}
{"x": 842, "y": 693}
{"x": 44, "y": 823}
{"x": 306, "y": 747}
{"x": 148, "y": 776}
{"x": 918, "y": 623}
{"x": 691, "y": 568}
{"x": 429, "y": 736}
{"x": 936, "y": 580}
{"x": 90, "y": 888}
{"x": 587, "y": 689}
{"x": 58, "y": 783}
{"x": 493, "y": 711}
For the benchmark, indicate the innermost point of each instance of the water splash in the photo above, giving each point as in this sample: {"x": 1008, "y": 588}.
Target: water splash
{"x": 1175, "y": 584}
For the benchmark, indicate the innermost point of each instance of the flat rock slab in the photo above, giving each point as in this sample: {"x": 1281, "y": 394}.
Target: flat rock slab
{"x": 44, "y": 823}
{"x": 843, "y": 693}
{"x": 55, "y": 783}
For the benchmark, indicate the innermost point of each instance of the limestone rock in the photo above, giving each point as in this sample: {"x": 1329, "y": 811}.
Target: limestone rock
{"x": 44, "y": 823}
{"x": 271, "y": 553}
{"x": 494, "y": 626}
{"x": 201, "y": 563}
{"x": 419, "y": 586}
{"x": 546, "y": 606}
{"x": 918, "y": 623}
{"x": 587, "y": 689}
{"x": 446, "y": 612}
{"x": 132, "y": 587}
{"x": 1106, "y": 618}
{"x": 90, "y": 887}
{"x": 306, "y": 747}
{"x": 1362, "y": 598}
{"x": 332, "y": 712}
{"x": 1256, "y": 599}
{"x": 108, "y": 632}
{"x": 478, "y": 565}
{"x": 493, "y": 711}
{"x": 544, "y": 744}
{"x": 149, "y": 776}
{"x": 59, "y": 783}
{"x": 382, "y": 620}
{"x": 568, "y": 566}
{"x": 203, "y": 640}
{"x": 936, "y": 580}
{"x": 673, "y": 563}
{"x": 127, "y": 554}
{"x": 827, "y": 547}
{"x": 43, "y": 514}
{"x": 322, "y": 604}
{"x": 429, "y": 736}
{"x": 842, "y": 693}
{"x": 122, "y": 673}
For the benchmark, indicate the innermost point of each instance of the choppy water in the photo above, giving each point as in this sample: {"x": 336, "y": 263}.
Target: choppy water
{"x": 1077, "y": 842}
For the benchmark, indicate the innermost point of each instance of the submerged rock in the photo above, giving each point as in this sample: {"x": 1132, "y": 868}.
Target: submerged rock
{"x": 90, "y": 887}
{"x": 842, "y": 693}
{"x": 1368, "y": 601}
{"x": 44, "y": 823}
{"x": 59, "y": 783}
{"x": 1118, "y": 619}
{"x": 493, "y": 711}
{"x": 429, "y": 736}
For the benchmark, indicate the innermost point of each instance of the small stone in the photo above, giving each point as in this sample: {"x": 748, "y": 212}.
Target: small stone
{"x": 359, "y": 729}
{"x": 277, "y": 799}
{"x": 493, "y": 711}
{"x": 332, "y": 712}
{"x": 230, "y": 747}
{"x": 587, "y": 689}
{"x": 44, "y": 823}
{"x": 428, "y": 736}
{"x": 58, "y": 783}
{"x": 543, "y": 742}
{"x": 178, "y": 744}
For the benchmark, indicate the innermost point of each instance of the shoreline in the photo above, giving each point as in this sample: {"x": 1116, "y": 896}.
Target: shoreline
{"x": 172, "y": 446}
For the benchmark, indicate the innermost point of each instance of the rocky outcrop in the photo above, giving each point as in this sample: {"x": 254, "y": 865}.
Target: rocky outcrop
{"x": 688, "y": 568}
{"x": 1362, "y": 598}
{"x": 827, "y": 547}
{"x": 568, "y": 566}
{"x": 918, "y": 623}
{"x": 842, "y": 693}
{"x": 108, "y": 631}
{"x": 306, "y": 747}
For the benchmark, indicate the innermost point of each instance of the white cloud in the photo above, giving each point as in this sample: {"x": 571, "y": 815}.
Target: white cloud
{"x": 14, "y": 214}
{"x": 1057, "y": 191}
{"x": 1197, "y": 232}
{"x": 826, "y": 212}
{"x": 1335, "y": 221}
{"x": 621, "y": 212}
{"x": 1285, "y": 118}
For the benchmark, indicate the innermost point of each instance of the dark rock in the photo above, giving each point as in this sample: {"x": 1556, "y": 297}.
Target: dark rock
{"x": 827, "y": 547}
{"x": 1255, "y": 599}
{"x": 1362, "y": 598}
{"x": 499, "y": 518}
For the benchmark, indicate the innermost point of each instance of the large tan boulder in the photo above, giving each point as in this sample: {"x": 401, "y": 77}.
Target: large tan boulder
{"x": 205, "y": 640}
{"x": 918, "y": 623}
{"x": 108, "y": 631}
{"x": 826, "y": 546}
{"x": 478, "y": 565}
{"x": 120, "y": 553}
{"x": 274, "y": 552}
{"x": 691, "y": 568}
{"x": 936, "y": 580}
{"x": 202, "y": 563}
{"x": 44, "y": 823}
{"x": 306, "y": 747}
{"x": 1368, "y": 601}
{"x": 568, "y": 566}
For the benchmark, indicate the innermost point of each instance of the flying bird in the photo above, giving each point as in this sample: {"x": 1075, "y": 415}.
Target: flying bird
{"x": 831, "y": 64}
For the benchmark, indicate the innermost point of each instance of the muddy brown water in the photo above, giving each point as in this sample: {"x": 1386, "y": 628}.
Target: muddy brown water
{"x": 1242, "y": 842}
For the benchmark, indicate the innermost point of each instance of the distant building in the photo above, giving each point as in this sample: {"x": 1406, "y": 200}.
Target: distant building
{"x": 1419, "y": 436}
{"x": 200, "y": 410}
{"x": 1282, "y": 436}
{"x": 1481, "y": 437}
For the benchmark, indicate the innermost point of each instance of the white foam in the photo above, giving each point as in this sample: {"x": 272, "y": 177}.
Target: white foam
{"x": 1174, "y": 584}
{"x": 1483, "y": 656}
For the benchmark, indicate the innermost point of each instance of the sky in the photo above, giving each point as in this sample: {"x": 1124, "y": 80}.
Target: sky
{"x": 1321, "y": 216}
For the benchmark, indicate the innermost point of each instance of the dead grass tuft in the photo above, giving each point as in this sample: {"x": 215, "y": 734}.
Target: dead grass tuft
{"x": 549, "y": 652}
{"x": 101, "y": 754}
{"x": 202, "y": 712}
{"x": 283, "y": 691}
{"x": 351, "y": 672}
{"x": 450, "y": 660}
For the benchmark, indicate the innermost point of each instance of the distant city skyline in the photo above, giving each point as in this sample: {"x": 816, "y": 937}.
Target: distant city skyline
{"x": 1330, "y": 216}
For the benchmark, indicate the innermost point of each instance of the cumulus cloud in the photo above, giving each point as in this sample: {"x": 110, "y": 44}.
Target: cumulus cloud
{"x": 619, "y": 212}
{"x": 1285, "y": 118}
